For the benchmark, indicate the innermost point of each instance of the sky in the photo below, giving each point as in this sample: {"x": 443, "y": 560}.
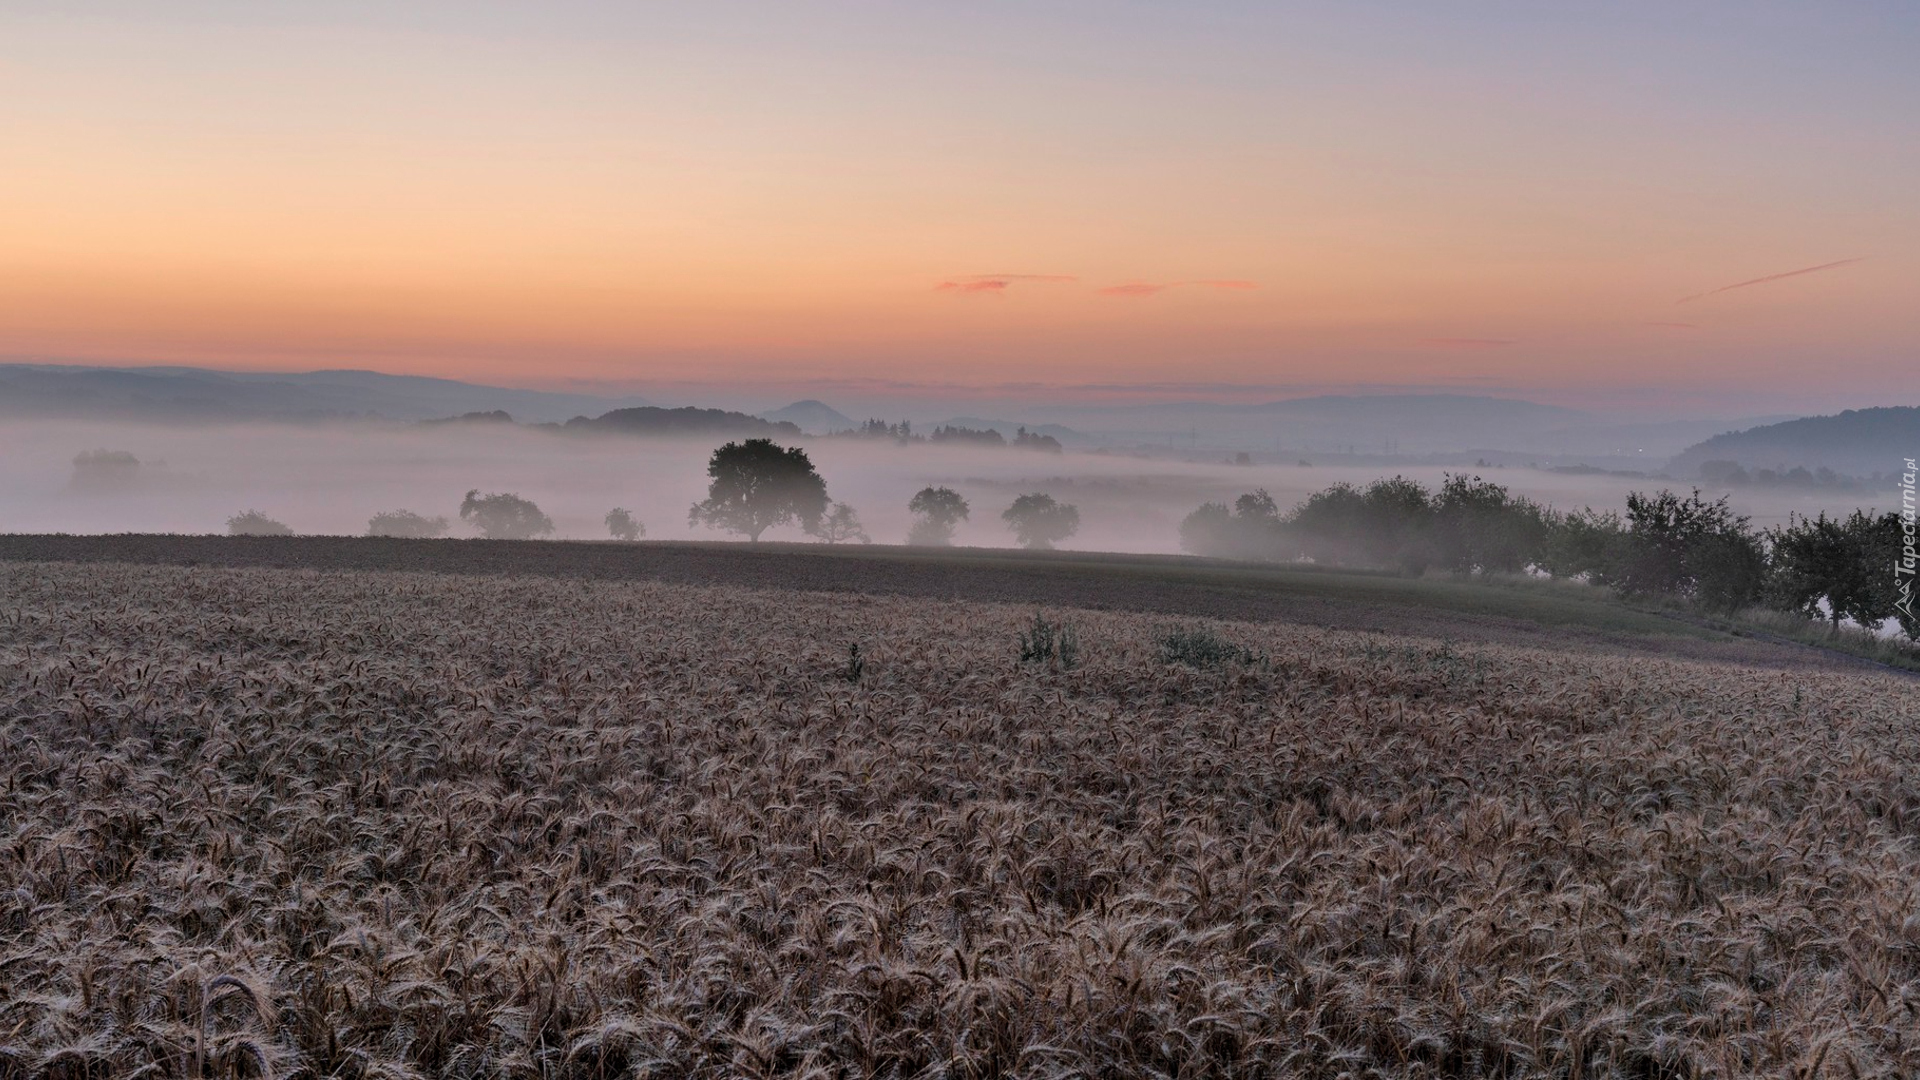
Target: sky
{"x": 1589, "y": 204}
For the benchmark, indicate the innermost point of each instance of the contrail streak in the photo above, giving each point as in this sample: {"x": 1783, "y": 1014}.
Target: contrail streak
{"x": 1764, "y": 280}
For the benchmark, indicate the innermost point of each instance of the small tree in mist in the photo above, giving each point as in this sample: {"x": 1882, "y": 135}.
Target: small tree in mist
{"x": 1730, "y": 571}
{"x": 1397, "y": 525}
{"x": 757, "y": 485}
{"x": 622, "y": 525}
{"x": 1585, "y": 543}
{"x": 255, "y": 523}
{"x": 1478, "y": 526}
{"x": 103, "y": 470}
{"x": 1388, "y": 524}
{"x": 1329, "y": 526}
{"x": 406, "y": 525}
{"x": 842, "y": 525}
{"x": 1040, "y": 522}
{"x": 938, "y": 512}
{"x": 1250, "y": 530}
{"x": 504, "y": 517}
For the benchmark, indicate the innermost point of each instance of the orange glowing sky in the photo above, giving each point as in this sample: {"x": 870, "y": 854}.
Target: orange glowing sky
{"x": 1056, "y": 194}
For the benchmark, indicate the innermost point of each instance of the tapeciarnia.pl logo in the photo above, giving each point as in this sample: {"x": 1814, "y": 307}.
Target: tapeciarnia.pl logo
{"x": 1903, "y": 567}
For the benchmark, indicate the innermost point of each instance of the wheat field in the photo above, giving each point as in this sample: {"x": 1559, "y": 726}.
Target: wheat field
{"x": 314, "y": 824}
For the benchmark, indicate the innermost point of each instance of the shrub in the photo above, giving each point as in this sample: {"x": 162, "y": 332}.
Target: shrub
{"x": 406, "y": 525}
{"x": 841, "y": 525}
{"x": 1200, "y": 647}
{"x": 255, "y": 523}
{"x": 1044, "y": 642}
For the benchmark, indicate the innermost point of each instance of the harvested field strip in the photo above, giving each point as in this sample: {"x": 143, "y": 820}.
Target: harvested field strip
{"x": 1534, "y": 614}
{"x": 339, "y": 823}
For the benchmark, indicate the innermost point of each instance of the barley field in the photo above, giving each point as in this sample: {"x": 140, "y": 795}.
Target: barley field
{"x": 348, "y": 823}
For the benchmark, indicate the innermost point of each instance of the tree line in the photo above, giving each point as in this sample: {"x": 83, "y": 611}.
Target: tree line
{"x": 754, "y": 485}
{"x": 1664, "y": 544}
{"x": 903, "y": 433}
{"x": 757, "y": 484}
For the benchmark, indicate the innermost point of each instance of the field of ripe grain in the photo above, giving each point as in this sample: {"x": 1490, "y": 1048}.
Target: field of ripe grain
{"x": 338, "y": 823}
{"x": 1558, "y": 616}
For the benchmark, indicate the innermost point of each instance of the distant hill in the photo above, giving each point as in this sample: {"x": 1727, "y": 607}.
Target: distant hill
{"x": 1396, "y": 423}
{"x": 168, "y": 395}
{"x": 497, "y": 416}
{"x": 812, "y": 417}
{"x": 1650, "y": 444}
{"x": 650, "y": 420}
{"x": 1858, "y": 442}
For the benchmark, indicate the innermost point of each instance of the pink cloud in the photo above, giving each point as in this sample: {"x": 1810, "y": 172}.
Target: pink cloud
{"x": 985, "y": 285}
{"x": 1764, "y": 280}
{"x": 994, "y": 284}
{"x": 1467, "y": 342}
{"x": 1676, "y": 325}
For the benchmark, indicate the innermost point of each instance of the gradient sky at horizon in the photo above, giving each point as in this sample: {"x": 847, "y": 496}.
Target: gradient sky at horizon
{"x": 1057, "y": 196}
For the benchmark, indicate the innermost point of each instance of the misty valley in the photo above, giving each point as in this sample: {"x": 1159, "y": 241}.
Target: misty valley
{"x": 1015, "y": 541}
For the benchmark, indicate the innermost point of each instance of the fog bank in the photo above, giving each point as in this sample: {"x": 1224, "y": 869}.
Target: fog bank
{"x": 330, "y": 479}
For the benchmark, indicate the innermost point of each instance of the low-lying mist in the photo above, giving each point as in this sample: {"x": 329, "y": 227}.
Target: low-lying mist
{"x": 330, "y": 479}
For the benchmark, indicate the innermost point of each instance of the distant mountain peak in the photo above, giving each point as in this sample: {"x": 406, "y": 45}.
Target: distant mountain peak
{"x": 813, "y": 417}
{"x": 653, "y": 420}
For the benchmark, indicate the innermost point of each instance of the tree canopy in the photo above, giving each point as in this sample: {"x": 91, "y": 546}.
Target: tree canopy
{"x": 757, "y": 485}
{"x": 405, "y": 524}
{"x": 504, "y": 517}
{"x": 938, "y": 511}
{"x": 255, "y": 523}
{"x": 622, "y": 525}
{"x": 1040, "y": 522}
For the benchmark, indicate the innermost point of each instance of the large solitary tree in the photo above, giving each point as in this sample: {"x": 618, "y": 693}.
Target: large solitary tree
{"x": 758, "y": 485}
{"x": 1039, "y": 521}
